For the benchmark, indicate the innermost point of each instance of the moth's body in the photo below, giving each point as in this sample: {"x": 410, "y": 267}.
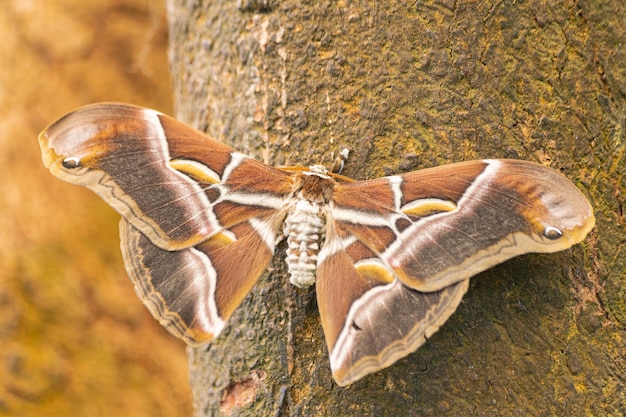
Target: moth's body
{"x": 305, "y": 223}
{"x": 390, "y": 258}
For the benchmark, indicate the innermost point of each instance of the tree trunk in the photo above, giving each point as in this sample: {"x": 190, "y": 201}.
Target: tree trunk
{"x": 407, "y": 86}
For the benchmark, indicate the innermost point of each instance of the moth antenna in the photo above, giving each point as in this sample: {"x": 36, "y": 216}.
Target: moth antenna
{"x": 340, "y": 160}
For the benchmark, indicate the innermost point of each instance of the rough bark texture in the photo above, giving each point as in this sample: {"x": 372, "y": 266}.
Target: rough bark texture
{"x": 407, "y": 86}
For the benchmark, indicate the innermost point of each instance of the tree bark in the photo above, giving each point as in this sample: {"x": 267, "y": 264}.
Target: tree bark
{"x": 407, "y": 86}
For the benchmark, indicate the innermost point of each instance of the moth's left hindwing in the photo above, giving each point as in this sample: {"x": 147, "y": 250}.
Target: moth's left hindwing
{"x": 185, "y": 199}
{"x": 193, "y": 291}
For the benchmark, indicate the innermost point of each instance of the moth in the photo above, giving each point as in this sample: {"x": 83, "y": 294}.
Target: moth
{"x": 390, "y": 257}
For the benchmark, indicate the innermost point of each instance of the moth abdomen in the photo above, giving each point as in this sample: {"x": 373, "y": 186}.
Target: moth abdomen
{"x": 305, "y": 225}
{"x": 304, "y": 228}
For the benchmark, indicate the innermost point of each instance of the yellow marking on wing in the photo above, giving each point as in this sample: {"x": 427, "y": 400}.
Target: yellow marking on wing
{"x": 428, "y": 207}
{"x": 195, "y": 170}
{"x": 222, "y": 239}
{"x": 374, "y": 272}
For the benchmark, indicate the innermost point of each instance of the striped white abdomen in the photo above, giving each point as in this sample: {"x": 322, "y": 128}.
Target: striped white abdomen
{"x": 304, "y": 228}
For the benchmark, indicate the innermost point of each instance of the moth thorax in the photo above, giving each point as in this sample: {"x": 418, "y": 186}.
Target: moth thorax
{"x": 304, "y": 228}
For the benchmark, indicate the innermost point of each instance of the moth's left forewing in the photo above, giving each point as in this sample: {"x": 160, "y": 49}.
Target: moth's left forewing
{"x": 168, "y": 180}
{"x": 214, "y": 162}
{"x": 121, "y": 152}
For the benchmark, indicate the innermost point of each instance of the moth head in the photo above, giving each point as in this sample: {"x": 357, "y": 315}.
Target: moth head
{"x": 315, "y": 186}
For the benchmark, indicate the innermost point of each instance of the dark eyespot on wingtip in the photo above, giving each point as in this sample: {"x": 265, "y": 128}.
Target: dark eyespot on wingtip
{"x": 356, "y": 327}
{"x": 71, "y": 162}
{"x": 552, "y": 233}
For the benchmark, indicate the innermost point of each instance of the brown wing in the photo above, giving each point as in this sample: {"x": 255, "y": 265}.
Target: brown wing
{"x": 193, "y": 291}
{"x": 370, "y": 318}
{"x": 399, "y": 251}
{"x": 174, "y": 184}
{"x": 443, "y": 225}
{"x": 200, "y": 220}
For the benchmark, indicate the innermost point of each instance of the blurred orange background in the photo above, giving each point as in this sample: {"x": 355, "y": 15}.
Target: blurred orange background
{"x": 74, "y": 339}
